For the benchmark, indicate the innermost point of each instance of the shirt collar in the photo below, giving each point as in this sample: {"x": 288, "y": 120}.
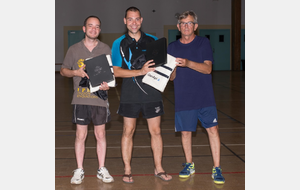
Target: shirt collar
{"x": 130, "y": 39}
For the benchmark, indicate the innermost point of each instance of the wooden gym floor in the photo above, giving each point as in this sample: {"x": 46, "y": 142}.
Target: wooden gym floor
{"x": 229, "y": 89}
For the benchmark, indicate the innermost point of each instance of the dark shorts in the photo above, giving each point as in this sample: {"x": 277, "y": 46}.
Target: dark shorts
{"x": 187, "y": 120}
{"x": 149, "y": 110}
{"x": 84, "y": 114}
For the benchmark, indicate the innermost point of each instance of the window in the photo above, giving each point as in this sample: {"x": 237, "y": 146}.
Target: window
{"x": 221, "y": 38}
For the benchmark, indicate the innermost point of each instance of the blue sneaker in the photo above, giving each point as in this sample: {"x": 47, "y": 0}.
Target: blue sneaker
{"x": 188, "y": 170}
{"x": 217, "y": 175}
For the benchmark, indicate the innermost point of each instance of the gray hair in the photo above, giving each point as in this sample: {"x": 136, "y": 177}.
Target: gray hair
{"x": 186, "y": 14}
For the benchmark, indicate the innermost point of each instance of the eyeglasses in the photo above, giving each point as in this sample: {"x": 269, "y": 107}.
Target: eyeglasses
{"x": 186, "y": 23}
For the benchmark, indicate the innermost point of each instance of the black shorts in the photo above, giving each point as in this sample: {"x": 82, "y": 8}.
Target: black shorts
{"x": 84, "y": 114}
{"x": 149, "y": 110}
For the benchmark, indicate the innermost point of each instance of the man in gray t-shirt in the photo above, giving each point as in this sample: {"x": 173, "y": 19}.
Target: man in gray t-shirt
{"x": 87, "y": 106}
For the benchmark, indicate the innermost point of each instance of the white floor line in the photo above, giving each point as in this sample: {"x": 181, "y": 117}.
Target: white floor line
{"x": 165, "y": 146}
{"x": 68, "y": 131}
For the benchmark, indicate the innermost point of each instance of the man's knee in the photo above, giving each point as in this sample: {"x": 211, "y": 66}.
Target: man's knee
{"x": 155, "y": 131}
{"x": 100, "y": 135}
{"x": 81, "y": 136}
{"x": 213, "y": 130}
{"x": 186, "y": 134}
{"x": 128, "y": 131}
{"x": 81, "y": 133}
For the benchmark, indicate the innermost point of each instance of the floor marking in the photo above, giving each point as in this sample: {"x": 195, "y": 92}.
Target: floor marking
{"x": 165, "y": 146}
{"x": 233, "y": 152}
{"x": 91, "y": 131}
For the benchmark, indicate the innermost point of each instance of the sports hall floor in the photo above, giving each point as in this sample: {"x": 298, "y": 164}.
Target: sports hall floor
{"x": 229, "y": 89}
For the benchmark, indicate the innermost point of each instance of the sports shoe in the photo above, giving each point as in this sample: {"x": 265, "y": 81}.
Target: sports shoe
{"x": 188, "y": 170}
{"x": 217, "y": 175}
{"x": 78, "y": 176}
{"x": 104, "y": 175}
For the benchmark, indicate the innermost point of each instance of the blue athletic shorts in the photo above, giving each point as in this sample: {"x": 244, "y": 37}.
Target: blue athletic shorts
{"x": 187, "y": 120}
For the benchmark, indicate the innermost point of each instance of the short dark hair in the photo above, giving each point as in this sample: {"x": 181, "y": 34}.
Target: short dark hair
{"x": 92, "y": 16}
{"x": 134, "y": 9}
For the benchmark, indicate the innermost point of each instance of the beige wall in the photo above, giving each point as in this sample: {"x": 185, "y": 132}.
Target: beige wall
{"x": 154, "y": 12}
{"x": 107, "y": 38}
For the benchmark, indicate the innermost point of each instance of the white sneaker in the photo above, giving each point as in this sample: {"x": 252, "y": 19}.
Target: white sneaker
{"x": 78, "y": 176}
{"x": 104, "y": 175}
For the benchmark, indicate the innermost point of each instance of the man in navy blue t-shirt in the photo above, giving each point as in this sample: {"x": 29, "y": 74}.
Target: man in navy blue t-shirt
{"x": 194, "y": 96}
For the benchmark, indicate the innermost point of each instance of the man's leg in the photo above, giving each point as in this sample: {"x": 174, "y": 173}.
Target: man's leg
{"x": 80, "y": 112}
{"x": 127, "y": 144}
{"x": 186, "y": 140}
{"x": 215, "y": 146}
{"x": 157, "y": 145}
{"x": 81, "y": 133}
{"x": 99, "y": 131}
{"x": 102, "y": 172}
{"x": 189, "y": 168}
{"x": 186, "y": 122}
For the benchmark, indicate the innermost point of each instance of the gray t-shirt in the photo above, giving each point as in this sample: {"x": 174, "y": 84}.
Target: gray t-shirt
{"x": 74, "y": 59}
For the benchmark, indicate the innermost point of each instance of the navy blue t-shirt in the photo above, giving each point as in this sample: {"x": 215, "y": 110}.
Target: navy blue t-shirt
{"x": 193, "y": 90}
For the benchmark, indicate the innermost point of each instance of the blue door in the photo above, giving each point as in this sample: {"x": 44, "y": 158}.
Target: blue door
{"x": 220, "y": 43}
{"x": 74, "y": 36}
{"x": 173, "y": 35}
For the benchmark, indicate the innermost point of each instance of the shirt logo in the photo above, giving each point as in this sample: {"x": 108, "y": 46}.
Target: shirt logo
{"x": 154, "y": 77}
{"x": 80, "y": 63}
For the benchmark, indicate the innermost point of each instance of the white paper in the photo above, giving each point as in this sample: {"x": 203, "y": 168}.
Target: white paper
{"x": 158, "y": 81}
